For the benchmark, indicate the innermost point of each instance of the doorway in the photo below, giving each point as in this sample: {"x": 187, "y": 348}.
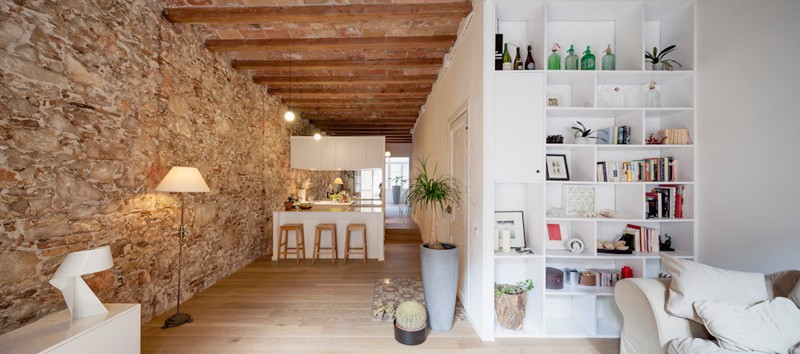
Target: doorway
{"x": 397, "y": 179}
{"x": 458, "y": 141}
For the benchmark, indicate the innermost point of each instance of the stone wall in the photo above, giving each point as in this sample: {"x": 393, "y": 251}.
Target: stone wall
{"x": 98, "y": 98}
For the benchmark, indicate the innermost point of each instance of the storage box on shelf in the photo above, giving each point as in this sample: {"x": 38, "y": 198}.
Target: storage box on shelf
{"x": 545, "y": 103}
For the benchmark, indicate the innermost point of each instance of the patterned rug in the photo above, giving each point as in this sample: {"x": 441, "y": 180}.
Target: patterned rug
{"x": 390, "y": 292}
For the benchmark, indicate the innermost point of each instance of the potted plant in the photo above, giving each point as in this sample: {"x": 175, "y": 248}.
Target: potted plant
{"x": 439, "y": 260}
{"x": 410, "y": 323}
{"x": 509, "y": 303}
{"x": 583, "y": 135}
{"x": 658, "y": 59}
{"x": 301, "y": 192}
{"x": 289, "y": 203}
{"x": 397, "y": 187}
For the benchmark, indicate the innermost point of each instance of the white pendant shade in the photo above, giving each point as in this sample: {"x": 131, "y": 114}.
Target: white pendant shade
{"x": 183, "y": 179}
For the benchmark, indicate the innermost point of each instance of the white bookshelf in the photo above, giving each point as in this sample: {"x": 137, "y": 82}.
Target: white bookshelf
{"x": 521, "y": 120}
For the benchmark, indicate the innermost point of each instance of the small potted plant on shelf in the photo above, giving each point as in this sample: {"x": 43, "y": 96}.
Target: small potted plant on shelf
{"x": 509, "y": 303}
{"x": 583, "y": 135}
{"x": 658, "y": 59}
{"x": 410, "y": 323}
{"x": 289, "y": 203}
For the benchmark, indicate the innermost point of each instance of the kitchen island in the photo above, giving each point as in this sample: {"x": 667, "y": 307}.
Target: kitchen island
{"x": 368, "y": 213}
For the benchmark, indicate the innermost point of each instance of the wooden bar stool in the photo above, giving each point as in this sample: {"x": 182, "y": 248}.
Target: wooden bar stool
{"x": 348, "y": 248}
{"x": 334, "y": 249}
{"x": 299, "y": 249}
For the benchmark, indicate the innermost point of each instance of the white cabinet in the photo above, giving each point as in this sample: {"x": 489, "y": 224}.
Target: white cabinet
{"x": 519, "y": 126}
{"x": 337, "y": 153}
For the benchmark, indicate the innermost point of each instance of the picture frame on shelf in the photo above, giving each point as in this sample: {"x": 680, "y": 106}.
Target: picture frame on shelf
{"x": 579, "y": 200}
{"x": 515, "y": 222}
{"x": 554, "y": 100}
{"x": 557, "y": 236}
{"x": 557, "y": 168}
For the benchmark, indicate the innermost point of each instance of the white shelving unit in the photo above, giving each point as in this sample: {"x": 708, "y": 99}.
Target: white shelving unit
{"x": 521, "y": 120}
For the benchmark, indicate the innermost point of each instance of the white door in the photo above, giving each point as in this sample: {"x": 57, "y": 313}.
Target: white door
{"x": 457, "y": 227}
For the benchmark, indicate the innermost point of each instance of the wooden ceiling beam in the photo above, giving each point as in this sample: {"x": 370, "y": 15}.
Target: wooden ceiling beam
{"x": 414, "y": 63}
{"x": 336, "y": 102}
{"x": 342, "y": 80}
{"x": 351, "y": 90}
{"x": 319, "y": 13}
{"x": 311, "y": 44}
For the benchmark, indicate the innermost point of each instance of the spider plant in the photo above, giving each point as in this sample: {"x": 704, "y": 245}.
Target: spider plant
{"x": 657, "y": 57}
{"x": 584, "y": 132}
{"x": 434, "y": 193}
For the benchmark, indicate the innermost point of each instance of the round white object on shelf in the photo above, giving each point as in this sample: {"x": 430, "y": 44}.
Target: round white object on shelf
{"x": 575, "y": 245}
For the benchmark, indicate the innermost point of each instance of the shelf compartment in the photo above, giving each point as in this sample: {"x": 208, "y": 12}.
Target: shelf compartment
{"x": 525, "y": 197}
{"x": 667, "y": 23}
{"x": 599, "y": 121}
{"x": 583, "y": 230}
{"x": 683, "y": 158}
{"x": 688, "y": 198}
{"x": 571, "y": 88}
{"x": 658, "y": 120}
{"x": 598, "y": 24}
{"x": 570, "y": 316}
{"x": 511, "y": 271}
{"x": 579, "y": 161}
{"x": 609, "y": 319}
{"x": 581, "y": 290}
{"x": 682, "y": 234}
{"x": 676, "y": 88}
{"x": 521, "y": 23}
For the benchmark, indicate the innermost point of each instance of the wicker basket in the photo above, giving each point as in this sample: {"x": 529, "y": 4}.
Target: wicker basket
{"x": 510, "y": 310}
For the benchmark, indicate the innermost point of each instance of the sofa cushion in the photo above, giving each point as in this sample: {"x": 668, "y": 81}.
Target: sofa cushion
{"x": 782, "y": 283}
{"x": 696, "y": 346}
{"x": 692, "y": 281}
{"x": 795, "y": 294}
{"x": 771, "y": 326}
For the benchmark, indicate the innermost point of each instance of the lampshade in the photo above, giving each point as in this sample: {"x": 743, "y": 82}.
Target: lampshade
{"x": 80, "y": 299}
{"x": 338, "y": 181}
{"x": 183, "y": 179}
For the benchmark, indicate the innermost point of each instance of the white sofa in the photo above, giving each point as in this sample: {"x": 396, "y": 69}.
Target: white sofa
{"x": 648, "y": 328}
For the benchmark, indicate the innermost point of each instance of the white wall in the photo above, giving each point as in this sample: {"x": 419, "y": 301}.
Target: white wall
{"x": 748, "y": 139}
{"x": 460, "y": 86}
{"x": 399, "y": 150}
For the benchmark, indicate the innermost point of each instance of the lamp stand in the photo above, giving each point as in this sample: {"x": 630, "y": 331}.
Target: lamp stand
{"x": 179, "y": 318}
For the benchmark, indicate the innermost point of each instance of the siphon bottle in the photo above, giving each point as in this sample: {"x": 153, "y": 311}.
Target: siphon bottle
{"x": 571, "y": 61}
{"x": 587, "y": 61}
{"x": 554, "y": 60}
{"x": 609, "y": 60}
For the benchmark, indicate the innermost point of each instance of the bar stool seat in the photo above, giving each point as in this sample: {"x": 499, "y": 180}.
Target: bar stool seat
{"x": 348, "y": 248}
{"x": 334, "y": 249}
{"x": 299, "y": 249}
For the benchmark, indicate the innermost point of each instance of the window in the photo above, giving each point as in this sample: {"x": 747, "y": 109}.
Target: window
{"x": 397, "y": 174}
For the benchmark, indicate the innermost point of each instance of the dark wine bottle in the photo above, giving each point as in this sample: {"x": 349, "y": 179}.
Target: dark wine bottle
{"x": 529, "y": 63}
{"x": 518, "y": 65}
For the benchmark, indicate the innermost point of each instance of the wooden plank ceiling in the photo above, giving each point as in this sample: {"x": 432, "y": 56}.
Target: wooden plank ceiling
{"x": 349, "y": 67}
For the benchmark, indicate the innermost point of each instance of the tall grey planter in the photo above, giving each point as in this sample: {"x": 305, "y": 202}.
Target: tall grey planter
{"x": 396, "y": 194}
{"x": 440, "y": 282}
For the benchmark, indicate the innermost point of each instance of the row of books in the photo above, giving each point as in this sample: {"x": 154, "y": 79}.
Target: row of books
{"x": 665, "y": 201}
{"x": 676, "y": 136}
{"x": 620, "y": 135}
{"x": 656, "y": 169}
{"x": 645, "y": 239}
{"x": 605, "y": 277}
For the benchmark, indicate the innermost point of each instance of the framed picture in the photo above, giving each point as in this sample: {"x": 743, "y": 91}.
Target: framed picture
{"x": 578, "y": 200}
{"x": 513, "y": 221}
{"x": 554, "y": 100}
{"x": 557, "y": 169}
{"x": 557, "y": 236}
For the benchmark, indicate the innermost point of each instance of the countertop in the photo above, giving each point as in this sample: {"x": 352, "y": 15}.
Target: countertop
{"x": 356, "y": 208}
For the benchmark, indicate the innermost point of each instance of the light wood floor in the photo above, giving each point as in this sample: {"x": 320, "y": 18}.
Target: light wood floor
{"x": 320, "y": 308}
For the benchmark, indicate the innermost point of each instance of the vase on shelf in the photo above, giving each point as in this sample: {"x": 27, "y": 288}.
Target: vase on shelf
{"x": 652, "y": 98}
{"x": 301, "y": 194}
{"x": 584, "y": 140}
{"x": 658, "y": 66}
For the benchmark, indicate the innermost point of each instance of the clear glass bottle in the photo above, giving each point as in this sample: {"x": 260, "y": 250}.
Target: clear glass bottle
{"x": 554, "y": 60}
{"x": 507, "y": 65}
{"x": 609, "y": 60}
{"x": 652, "y": 98}
{"x": 571, "y": 61}
{"x": 588, "y": 60}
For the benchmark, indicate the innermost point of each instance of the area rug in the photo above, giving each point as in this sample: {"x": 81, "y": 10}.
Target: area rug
{"x": 390, "y": 292}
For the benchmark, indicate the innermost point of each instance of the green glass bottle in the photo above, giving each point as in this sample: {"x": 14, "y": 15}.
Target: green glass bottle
{"x": 571, "y": 61}
{"x": 554, "y": 60}
{"x": 587, "y": 61}
{"x": 507, "y": 65}
{"x": 609, "y": 61}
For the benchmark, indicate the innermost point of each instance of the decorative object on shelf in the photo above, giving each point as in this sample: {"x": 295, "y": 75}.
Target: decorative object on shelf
{"x": 555, "y": 139}
{"x": 555, "y": 278}
{"x": 510, "y": 301}
{"x": 609, "y": 60}
{"x": 652, "y": 98}
{"x": 439, "y": 260}
{"x": 525, "y": 250}
{"x": 181, "y": 180}
{"x": 410, "y": 323}
{"x": 588, "y": 60}
{"x": 507, "y": 64}
{"x": 530, "y": 64}
{"x": 583, "y": 135}
{"x": 675, "y": 136}
{"x": 575, "y": 245}
{"x": 556, "y": 234}
{"x": 658, "y": 59}
{"x": 554, "y": 100}
{"x": 301, "y": 191}
{"x": 496, "y": 239}
{"x": 571, "y": 61}
{"x": 588, "y": 278}
{"x": 624, "y": 245}
{"x": 557, "y": 169}
{"x": 652, "y": 140}
{"x": 80, "y": 299}
{"x": 578, "y": 199}
{"x": 305, "y": 206}
{"x": 554, "y": 60}
{"x": 518, "y": 63}
{"x": 289, "y": 203}
{"x": 571, "y": 276}
{"x": 666, "y": 246}
{"x": 607, "y": 213}
{"x": 505, "y": 240}
{"x": 611, "y": 96}
{"x": 627, "y": 272}
{"x": 514, "y": 223}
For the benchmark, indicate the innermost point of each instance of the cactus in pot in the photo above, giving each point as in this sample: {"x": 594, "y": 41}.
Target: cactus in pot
{"x": 410, "y": 323}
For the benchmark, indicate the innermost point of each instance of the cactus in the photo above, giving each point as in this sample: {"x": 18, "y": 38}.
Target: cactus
{"x": 411, "y": 316}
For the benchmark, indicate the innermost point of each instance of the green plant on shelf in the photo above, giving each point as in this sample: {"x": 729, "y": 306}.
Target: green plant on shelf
{"x": 658, "y": 59}
{"x": 513, "y": 289}
{"x": 584, "y": 132}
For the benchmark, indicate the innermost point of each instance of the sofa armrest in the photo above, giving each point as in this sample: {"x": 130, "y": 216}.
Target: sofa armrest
{"x": 646, "y": 325}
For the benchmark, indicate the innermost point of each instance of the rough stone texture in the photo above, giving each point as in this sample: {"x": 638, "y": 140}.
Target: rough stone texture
{"x": 98, "y": 98}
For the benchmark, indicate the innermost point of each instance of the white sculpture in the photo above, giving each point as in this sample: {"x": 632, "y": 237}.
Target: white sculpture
{"x": 80, "y": 299}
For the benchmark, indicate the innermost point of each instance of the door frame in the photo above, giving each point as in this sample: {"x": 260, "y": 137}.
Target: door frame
{"x": 462, "y": 110}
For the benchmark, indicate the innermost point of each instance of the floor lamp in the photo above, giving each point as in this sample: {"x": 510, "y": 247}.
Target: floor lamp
{"x": 181, "y": 180}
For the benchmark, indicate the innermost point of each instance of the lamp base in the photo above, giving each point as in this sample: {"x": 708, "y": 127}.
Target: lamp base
{"x": 177, "y": 320}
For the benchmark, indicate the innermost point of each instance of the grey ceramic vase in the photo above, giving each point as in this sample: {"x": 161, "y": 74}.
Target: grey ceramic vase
{"x": 440, "y": 282}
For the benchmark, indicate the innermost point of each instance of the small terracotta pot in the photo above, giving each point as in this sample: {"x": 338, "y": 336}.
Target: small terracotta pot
{"x": 288, "y": 206}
